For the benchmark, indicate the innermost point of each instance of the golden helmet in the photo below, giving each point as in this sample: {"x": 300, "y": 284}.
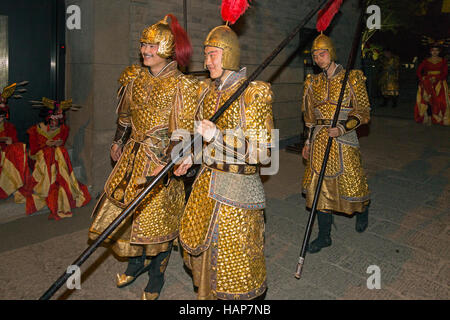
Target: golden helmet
{"x": 225, "y": 38}
{"x": 322, "y": 42}
{"x": 160, "y": 34}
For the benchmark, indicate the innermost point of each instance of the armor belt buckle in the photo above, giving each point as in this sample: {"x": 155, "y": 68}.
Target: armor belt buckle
{"x": 234, "y": 168}
{"x": 249, "y": 169}
{"x": 324, "y": 122}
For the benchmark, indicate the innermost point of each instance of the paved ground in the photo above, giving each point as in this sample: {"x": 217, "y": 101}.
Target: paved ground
{"x": 408, "y": 236}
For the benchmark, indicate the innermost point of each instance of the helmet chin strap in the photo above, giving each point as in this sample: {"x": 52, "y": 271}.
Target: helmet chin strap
{"x": 325, "y": 70}
{"x": 219, "y": 78}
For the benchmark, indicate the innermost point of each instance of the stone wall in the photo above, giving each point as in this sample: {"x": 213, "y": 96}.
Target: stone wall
{"x": 109, "y": 41}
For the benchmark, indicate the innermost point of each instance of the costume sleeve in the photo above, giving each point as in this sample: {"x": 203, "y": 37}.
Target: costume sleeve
{"x": 252, "y": 141}
{"x": 124, "y": 94}
{"x": 419, "y": 70}
{"x": 12, "y": 132}
{"x": 360, "y": 113}
{"x": 307, "y": 108}
{"x": 126, "y": 79}
{"x": 444, "y": 69}
{"x": 185, "y": 104}
{"x": 123, "y": 106}
{"x": 397, "y": 66}
{"x": 181, "y": 118}
{"x": 64, "y": 133}
{"x": 36, "y": 143}
{"x": 123, "y": 130}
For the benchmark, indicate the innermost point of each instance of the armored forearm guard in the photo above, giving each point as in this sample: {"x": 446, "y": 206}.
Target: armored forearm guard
{"x": 348, "y": 125}
{"x": 122, "y": 135}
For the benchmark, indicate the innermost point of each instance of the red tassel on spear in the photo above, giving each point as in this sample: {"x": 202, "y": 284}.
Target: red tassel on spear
{"x": 231, "y": 10}
{"x": 325, "y": 15}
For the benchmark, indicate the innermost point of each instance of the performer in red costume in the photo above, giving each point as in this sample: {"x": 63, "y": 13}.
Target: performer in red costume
{"x": 13, "y": 158}
{"x": 433, "y": 102}
{"x": 53, "y": 182}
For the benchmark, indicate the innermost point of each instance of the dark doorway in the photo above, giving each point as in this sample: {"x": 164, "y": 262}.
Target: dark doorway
{"x": 36, "y": 35}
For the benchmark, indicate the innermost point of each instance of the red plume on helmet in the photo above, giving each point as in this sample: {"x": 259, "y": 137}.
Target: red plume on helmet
{"x": 327, "y": 13}
{"x": 183, "y": 47}
{"x": 231, "y": 10}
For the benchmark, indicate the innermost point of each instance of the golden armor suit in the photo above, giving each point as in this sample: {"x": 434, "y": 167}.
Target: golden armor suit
{"x": 146, "y": 104}
{"x": 389, "y": 77}
{"x": 222, "y": 229}
{"x": 344, "y": 186}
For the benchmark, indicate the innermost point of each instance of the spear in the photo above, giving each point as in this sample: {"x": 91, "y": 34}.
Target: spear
{"x": 312, "y": 215}
{"x": 156, "y": 179}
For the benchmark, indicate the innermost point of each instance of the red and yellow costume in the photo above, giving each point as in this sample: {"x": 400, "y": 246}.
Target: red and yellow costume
{"x": 52, "y": 182}
{"x": 13, "y": 158}
{"x": 13, "y": 161}
{"x": 432, "y": 95}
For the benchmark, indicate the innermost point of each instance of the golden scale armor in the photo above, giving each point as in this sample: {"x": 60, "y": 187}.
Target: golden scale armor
{"x": 222, "y": 228}
{"x": 147, "y": 104}
{"x": 344, "y": 186}
{"x": 390, "y": 76}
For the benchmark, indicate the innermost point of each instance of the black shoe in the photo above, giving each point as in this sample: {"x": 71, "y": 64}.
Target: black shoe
{"x": 324, "y": 239}
{"x": 318, "y": 244}
{"x": 362, "y": 221}
{"x": 136, "y": 267}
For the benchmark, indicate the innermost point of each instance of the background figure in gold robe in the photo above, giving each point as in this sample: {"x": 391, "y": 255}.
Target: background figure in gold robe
{"x": 344, "y": 187}
{"x": 222, "y": 228}
{"x": 155, "y": 100}
{"x": 389, "y": 77}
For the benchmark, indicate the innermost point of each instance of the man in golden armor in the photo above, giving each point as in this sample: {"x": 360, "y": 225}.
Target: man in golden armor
{"x": 390, "y": 65}
{"x": 222, "y": 228}
{"x": 344, "y": 188}
{"x": 155, "y": 100}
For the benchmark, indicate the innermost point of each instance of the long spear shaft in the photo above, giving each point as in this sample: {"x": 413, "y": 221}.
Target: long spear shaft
{"x": 133, "y": 204}
{"x": 312, "y": 215}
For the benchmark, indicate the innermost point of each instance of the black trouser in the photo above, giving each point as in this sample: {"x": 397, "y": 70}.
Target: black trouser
{"x": 158, "y": 266}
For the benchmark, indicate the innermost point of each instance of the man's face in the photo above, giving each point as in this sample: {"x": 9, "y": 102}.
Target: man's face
{"x": 151, "y": 59}
{"x": 322, "y": 58}
{"x": 213, "y": 61}
{"x": 434, "y": 52}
